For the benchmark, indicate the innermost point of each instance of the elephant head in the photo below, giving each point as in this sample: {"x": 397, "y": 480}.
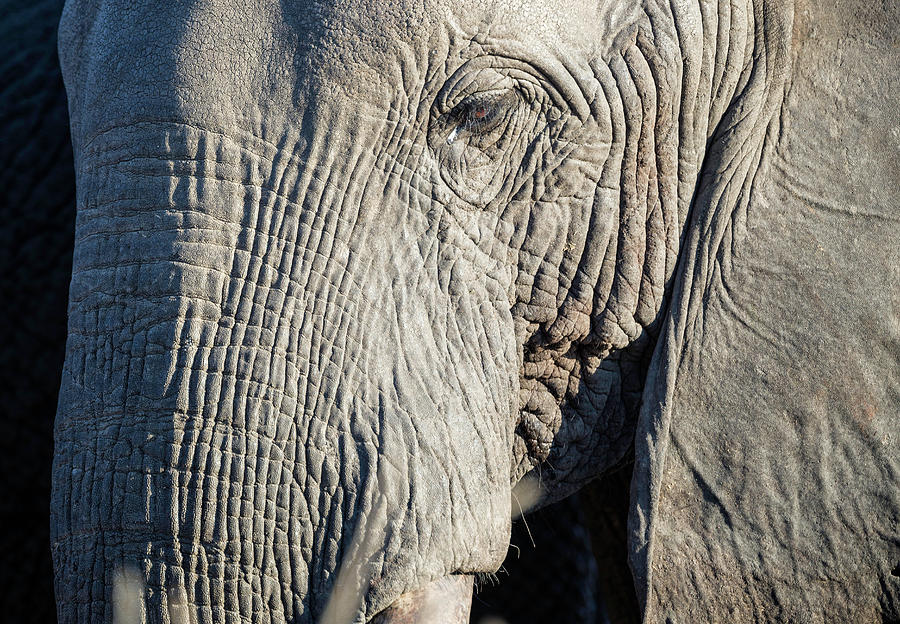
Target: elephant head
{"x": 346, "y": 273}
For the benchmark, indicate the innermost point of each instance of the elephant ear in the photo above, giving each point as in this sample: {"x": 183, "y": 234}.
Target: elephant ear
{"x": 767, "y": 479}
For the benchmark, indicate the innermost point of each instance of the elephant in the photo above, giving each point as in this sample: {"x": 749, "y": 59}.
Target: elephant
{"x": 356, "y": 283}
{"x": 38, "y": 174}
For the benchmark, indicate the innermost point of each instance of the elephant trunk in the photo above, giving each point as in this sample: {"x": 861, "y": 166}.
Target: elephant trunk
{"x": 174, "y": 478}
{"x": 252, "y": 397}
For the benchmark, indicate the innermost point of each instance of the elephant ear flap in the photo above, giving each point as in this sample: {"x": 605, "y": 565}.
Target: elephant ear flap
{"x": 698, "y": 405}
{"x": 767, "y": 454}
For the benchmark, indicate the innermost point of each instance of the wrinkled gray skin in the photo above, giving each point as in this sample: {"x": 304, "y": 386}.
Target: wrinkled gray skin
{"x": 323, "y": 316}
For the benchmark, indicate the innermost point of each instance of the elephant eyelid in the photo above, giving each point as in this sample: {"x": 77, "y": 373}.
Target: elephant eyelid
{"x": 479, "y": 139}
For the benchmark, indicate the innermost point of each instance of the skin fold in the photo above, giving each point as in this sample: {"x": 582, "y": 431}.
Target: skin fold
{"x": 353, "y": 280}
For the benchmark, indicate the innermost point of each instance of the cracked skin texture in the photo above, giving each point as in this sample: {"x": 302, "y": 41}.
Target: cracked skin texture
{"x": 322, "y": 318}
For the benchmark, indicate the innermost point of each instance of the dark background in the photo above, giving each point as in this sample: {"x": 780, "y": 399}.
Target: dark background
{"x": 36, "y": 224}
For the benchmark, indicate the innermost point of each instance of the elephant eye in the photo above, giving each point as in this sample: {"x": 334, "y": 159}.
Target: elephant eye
{"x": 480, "y": 114}
{"x": 478, "y": 143}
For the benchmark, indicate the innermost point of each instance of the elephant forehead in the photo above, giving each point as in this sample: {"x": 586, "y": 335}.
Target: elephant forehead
{"x": 403, "y": 19}
{"x": 362, "y": 42}
{"x": 258, "y": 60}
